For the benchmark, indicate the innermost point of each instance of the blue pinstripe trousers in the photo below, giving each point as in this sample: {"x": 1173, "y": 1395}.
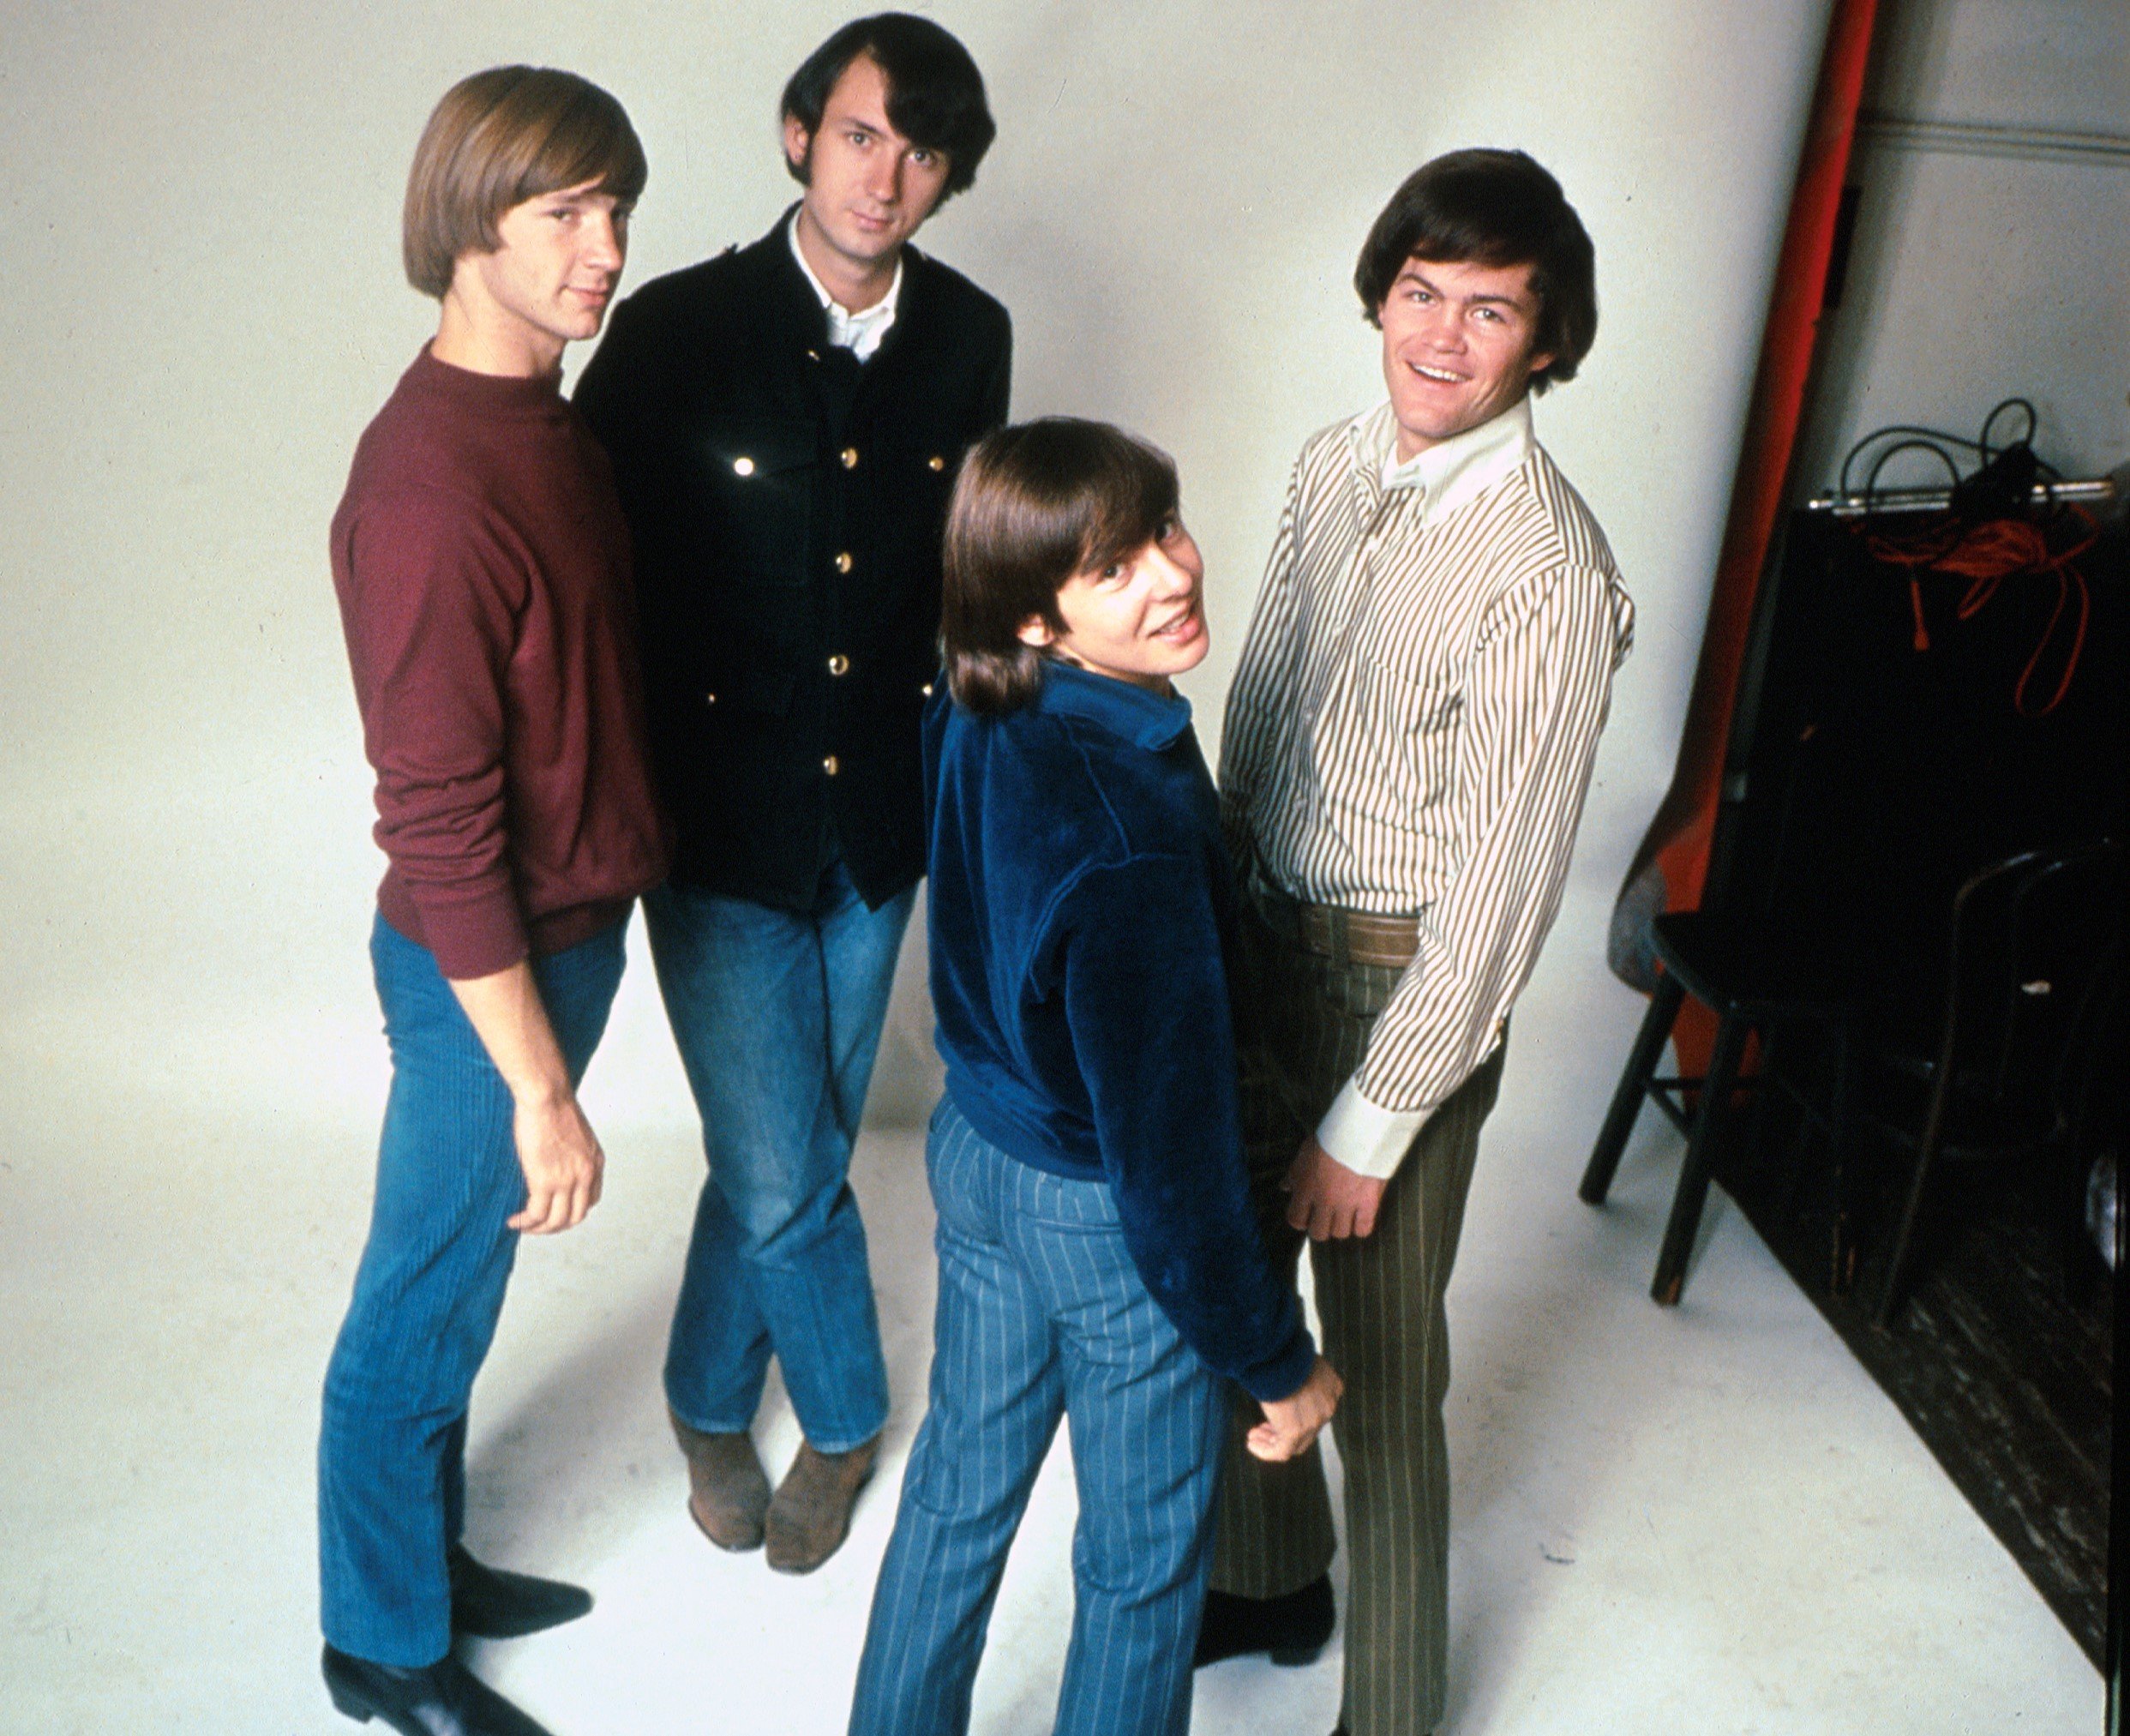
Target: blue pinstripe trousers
{"x": 392, "y": 1441}
{"x": 1041, "y": 1313}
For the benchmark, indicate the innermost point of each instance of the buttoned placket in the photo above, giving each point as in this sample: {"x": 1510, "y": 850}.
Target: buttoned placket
{"x": 842, "y": 457}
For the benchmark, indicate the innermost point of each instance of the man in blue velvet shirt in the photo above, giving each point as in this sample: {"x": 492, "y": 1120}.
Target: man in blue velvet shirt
{"x": 1098, "y": 1254}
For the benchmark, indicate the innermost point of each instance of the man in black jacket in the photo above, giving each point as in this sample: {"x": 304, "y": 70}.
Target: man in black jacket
{"x": 784, "y": 422}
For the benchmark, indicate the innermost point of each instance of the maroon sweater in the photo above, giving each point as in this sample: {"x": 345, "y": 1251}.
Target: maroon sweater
{"x": 483, "y": 568}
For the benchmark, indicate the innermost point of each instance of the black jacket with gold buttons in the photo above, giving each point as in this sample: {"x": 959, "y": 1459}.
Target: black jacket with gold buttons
{"x": 786, "y": 503}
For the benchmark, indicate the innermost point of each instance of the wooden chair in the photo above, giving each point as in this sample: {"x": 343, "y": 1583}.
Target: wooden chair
{"x": 2032, "y": 1019}
{"x": 1753, "y": 986}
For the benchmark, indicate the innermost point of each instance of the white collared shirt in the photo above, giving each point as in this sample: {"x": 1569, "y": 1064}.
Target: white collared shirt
{"x": 1411, "y": 726}
{"x": 859, "y": 332}
{"x": 1459, "y": 469}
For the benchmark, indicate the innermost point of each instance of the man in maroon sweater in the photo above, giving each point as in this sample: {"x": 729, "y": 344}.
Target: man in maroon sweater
{"x": 482, "y": 565}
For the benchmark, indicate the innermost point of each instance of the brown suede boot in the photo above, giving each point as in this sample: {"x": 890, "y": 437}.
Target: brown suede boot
{"x": 727, "y": 1491}
{"x": 810, "y": 1517}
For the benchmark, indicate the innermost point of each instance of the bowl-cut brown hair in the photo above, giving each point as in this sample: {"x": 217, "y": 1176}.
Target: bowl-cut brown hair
{"x": 497, "y": 139}
{"x": 1034, "y": 505}
{"x": 1492, "y": 208}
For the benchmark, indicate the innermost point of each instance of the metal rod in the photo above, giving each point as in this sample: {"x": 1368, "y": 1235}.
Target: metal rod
{"x": 1980, "y": 139}
{"x": 2097, "y": 492}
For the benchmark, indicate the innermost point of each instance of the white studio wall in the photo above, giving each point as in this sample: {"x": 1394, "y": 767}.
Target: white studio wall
{"x": 207, "y": 307}
{"x": 1991, "y": 257}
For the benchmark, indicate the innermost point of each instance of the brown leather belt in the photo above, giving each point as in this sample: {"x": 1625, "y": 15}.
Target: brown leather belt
{"x": 1352, "y": 937}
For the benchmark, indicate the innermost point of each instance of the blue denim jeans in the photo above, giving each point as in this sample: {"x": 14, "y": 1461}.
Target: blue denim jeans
{"x": 778, "y": 1016}
{"x": 1041, "y": 1314}
{"x": 392, "y": 1442}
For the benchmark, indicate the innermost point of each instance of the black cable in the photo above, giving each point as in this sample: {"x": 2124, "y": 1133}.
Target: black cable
{"x": 1989, "y": 422}
{"x": 1913, "y": 438}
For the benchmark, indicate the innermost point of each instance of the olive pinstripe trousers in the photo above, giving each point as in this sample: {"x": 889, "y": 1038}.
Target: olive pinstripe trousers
{"x": 1303, "y": 1021}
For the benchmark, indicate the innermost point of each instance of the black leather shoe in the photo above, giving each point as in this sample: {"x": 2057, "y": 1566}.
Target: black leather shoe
{"x": 440, "y": 1699}
{"x": 491, "y": 1603}
{"x": 1292, "y": 1627}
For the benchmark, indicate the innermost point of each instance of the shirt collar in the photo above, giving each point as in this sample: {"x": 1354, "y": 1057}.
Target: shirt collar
{"x": 1457, "y": 471}
{"x": 860, "y": 332}
{"x": 1145, "y": 718}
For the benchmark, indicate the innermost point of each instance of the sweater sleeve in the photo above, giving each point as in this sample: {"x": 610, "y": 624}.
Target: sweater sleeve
{"x": 1146, "y": 1002}
{"x": 431, "y": 612}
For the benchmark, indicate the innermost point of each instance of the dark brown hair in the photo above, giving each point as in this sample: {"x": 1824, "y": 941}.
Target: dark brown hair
{"x": 1493, "y": 208}
{"x": 935, "y": 95}
{"x": 497, "y": 139}
{"x": 1034, "y": 505}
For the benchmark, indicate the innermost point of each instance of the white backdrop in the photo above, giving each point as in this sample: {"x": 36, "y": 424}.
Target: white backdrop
{"x": 199, "y": 307}
{"x": 204, "y": 306}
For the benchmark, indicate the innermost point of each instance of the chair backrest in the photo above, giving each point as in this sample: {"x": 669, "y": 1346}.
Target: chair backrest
{"x": 2036, "y": 978}
{"x": 1867, "y": 780}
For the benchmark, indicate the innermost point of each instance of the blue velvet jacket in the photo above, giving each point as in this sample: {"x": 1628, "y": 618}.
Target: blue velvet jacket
{"x": 1079, "y": 899}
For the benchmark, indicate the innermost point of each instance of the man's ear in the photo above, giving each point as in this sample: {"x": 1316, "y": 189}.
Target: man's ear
{"x": 797, "y": 142}
{"x": 1036, "y": 631}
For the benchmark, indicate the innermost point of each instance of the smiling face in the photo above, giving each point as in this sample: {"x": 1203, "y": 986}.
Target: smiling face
{"x": 1460, "y": 346}
{"x": 1139, "y": 619}
{"x": 549, "y": 280}
{"x": 868, "y": 189}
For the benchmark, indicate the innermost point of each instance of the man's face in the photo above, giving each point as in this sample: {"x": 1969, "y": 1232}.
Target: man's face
{"x": 1139, "y": 620}
{"x": 1460, "y": 346}
{"x": 556, "y": 270}
{"x": 868, "y": 189}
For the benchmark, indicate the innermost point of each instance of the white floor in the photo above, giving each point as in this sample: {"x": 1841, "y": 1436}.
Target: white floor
{"x": 1704, "y": 1521}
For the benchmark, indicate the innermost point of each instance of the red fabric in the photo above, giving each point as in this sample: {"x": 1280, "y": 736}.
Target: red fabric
{"x": 482, "y": 564}
{"x": 1678, "y": 837}
{"x": 1678, "y": 842}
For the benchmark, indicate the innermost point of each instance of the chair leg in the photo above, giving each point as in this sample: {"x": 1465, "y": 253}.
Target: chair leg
{"x": 1700, "y": 1161}
{"x": 1841, "y": 1270}
{"x": 1774, "y": 1045}
{"x": 1627, "y": 1099}
{"x": 1797, "y": 1154}
{"x": 1926, "y": 1152}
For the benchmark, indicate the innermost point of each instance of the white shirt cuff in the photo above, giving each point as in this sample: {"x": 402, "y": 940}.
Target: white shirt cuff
{"x": 1367, "y": 1138}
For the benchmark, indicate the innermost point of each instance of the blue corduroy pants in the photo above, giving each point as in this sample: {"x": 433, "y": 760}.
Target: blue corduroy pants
{"x": 391, "y": 1443}
{"x": 1041, "y": 1314}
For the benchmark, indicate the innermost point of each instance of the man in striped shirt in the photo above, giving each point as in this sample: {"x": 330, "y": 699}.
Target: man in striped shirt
{"x": 1406, "y": 752}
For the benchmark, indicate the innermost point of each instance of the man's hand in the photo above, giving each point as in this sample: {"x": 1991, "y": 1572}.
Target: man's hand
{"x": 1291, "y": 1423}
{"x": 1326, "y": 1199}
{"x": 563, "y": 1164}
{"x": 557, "y": 1147}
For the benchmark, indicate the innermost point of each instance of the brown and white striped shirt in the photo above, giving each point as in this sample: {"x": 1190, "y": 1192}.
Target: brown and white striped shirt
{"x": 1412, "y": 727}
